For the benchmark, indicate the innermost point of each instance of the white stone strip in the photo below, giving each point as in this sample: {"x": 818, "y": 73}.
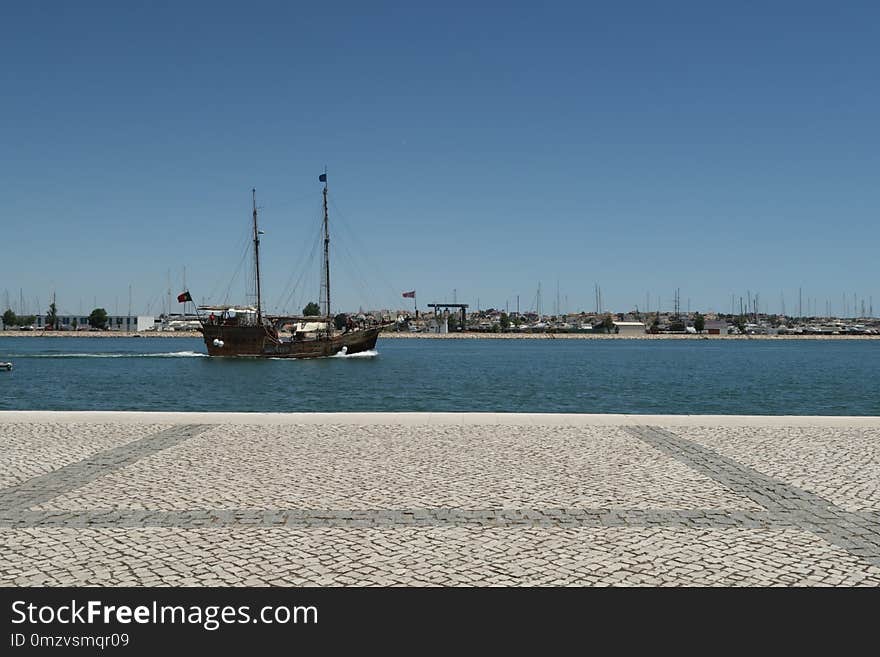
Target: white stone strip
{"x": 440, "y": 419}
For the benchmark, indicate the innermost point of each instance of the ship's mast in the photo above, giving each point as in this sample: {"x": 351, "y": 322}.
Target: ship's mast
{"x": 257, "y": 259}
{"x": 326, "y": 251}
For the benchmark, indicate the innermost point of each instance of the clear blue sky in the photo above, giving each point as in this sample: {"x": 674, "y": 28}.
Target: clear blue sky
{"x": 478, "y": 147}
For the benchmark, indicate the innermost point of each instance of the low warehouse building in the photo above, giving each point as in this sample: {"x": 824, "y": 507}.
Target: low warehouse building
{"x": 629, "y": 328}
{"x": 716, "y": 327}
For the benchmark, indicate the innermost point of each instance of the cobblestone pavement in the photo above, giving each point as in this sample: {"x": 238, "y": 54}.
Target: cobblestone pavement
{"x": 519, "y": 500}
{"x": 29, "y": 450}
{"x": 392, "y": 467}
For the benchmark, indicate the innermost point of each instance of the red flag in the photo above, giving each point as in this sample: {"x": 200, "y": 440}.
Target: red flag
{"x": 409, "y": 295}
{"x": 183, "y": 298}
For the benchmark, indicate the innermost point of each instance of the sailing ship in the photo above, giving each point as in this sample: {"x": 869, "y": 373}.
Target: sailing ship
{"x": 247, "y": 331}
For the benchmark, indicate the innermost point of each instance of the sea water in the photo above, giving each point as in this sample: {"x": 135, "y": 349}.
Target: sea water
{"x": 764, "y": 377}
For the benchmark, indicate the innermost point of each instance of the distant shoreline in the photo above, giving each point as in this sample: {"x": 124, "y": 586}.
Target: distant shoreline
{"x": 452, "y": 336}
{"x": 613, "y": 336}
{"x": 100, "y": 334}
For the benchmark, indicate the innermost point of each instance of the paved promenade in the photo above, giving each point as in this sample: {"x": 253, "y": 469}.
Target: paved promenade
{"x": 190, "y": 499}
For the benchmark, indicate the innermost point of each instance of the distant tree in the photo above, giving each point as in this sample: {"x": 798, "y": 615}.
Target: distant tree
{"x": 339, "y": 321}
{"x": 311, "y": 309}
{"x": 98, "y": 318}
{"x": 608, "y": 323}
{"x": 52, "y": 317}
{"x": 74, "y": 323}
{"x": 505, "y": 321}
{"x": 9, "y": 318}
{"x": 699, "y": 322}
{"x": 452, "y": 322}
{"x": 27, "y": 320}
{"x": 496, "y": 328}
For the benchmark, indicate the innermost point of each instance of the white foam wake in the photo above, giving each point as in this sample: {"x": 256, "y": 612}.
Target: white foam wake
{"x": 370, "y": 353}
{"x": 169, "y": 354}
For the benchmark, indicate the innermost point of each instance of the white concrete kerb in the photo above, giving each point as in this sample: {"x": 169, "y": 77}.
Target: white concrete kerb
{"x": 440, "y": 419}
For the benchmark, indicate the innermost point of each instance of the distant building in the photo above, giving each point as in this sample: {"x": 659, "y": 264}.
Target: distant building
{"x": 629, "y": 328}
{"x": 439, "y": 324}
{"x": 716, "y": 327}
{"x": 114, "y": 322}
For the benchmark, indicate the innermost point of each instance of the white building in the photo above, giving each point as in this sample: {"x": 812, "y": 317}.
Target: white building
{"x": 114, "y": 322}
{"x": 629, "y": 328}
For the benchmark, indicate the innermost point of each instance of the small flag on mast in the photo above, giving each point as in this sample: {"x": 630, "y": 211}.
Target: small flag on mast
{"x": 409, "y": 295}
{"x": 322, "y": 178}
{"x": 184, "y": 297}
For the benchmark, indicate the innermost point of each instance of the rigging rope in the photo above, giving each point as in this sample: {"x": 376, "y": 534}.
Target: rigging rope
{"x": 305, "y": 265}
{"x": 359, "y": 246}
{"x": 244, "y": 255}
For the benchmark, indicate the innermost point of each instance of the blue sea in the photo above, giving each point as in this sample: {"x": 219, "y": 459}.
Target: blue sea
{"x": 762, "y": 377}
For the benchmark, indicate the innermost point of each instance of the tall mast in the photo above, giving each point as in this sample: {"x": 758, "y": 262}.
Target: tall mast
{"x": 257, "y": 259}
{"x": 326, "y": 250}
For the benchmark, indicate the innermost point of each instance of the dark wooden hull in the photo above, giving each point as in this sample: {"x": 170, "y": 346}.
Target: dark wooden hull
{"x": 260, "y": 342}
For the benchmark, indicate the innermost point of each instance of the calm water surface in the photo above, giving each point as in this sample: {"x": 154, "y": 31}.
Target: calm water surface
{"x": 833, "y": 377}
